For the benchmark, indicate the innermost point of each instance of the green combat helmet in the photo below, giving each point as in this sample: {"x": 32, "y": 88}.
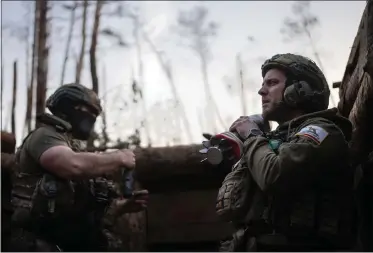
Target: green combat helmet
{"x": 69, "y": 95}
{"x": 306, "y": 86}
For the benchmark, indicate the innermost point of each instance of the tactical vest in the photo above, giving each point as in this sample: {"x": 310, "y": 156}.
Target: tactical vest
{"x": 324, "y": 211}
{"x": 64, "y": 212}
{"x": 321, "y": 212}
{"x": 39, "y": 192}
{"x": 42, "y": 195}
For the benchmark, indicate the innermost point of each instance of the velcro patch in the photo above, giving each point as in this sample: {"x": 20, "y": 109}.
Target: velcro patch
{"x": 315, "y": 133}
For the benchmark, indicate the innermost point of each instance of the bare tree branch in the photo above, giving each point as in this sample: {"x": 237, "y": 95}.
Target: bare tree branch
{"x": 167, "y": 70}
{"x": 2, "y": 83}
{"x": 92, "y": 57}
{"x": 105, "y": 137}
{"x": 27, "y": 123}
{"x": 301, "y": 26}
{"x": 242, "y": 86}
{"x": 194, "y": 27}
{"x": 140, "y": 84}
{"x": 80, "y": 63}
{"x": 72, "y": 10}
{"x": 110, "y": 33}
{"x": 14, "y": 99}
{"x": 43, "y": 51}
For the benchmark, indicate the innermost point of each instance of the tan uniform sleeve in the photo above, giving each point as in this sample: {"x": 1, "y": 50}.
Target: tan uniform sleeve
{"x": 43, "y": 139}
{"x": 298, "y": 161}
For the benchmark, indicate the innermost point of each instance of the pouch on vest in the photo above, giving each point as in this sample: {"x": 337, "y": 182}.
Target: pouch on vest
{"x": 52, "y": 197}
{"x": 233, "y": 197}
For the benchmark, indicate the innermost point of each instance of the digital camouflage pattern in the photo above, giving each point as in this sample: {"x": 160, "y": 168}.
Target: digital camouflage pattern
{"x": 70, "y": 215}
{"x": 301, "y": 191}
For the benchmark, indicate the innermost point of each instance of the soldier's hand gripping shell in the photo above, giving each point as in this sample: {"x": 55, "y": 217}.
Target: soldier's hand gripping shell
{"x": 244, "y": 124}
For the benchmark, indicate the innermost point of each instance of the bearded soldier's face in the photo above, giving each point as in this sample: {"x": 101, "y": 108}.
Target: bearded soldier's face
{"x": 272, "y": 95}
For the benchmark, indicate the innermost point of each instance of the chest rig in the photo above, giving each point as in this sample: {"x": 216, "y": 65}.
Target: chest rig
{"x": 318, "y": 212}
{"x": 40, "y": 194}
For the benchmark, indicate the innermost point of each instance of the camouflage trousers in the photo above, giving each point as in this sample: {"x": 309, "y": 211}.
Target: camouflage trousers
{"x": 23, "y": 241}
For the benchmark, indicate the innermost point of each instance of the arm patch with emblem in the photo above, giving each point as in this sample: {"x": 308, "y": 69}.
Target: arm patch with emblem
{"x": 315, "y": 133}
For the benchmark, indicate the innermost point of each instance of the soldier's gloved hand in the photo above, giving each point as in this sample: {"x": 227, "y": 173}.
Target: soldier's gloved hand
{"x": 136, "y": 203}
{"x": 244, "y": 124}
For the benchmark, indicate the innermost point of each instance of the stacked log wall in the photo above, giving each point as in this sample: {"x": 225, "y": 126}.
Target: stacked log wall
{"x": 356, "y": 89}
{"x": 356, "y": 103}
{"x": 182, "y": 197}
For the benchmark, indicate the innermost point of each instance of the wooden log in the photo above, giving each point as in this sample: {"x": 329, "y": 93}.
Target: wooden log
{"x": 185, "y": 217}
{"x": 369, "y": 20}
{"x": 337, "y": 85}
{"x": 178, "y": 168}
{"x": 182, "y": 189}
{"x": 351, "y": 90}
{"x": 361, "y": 117}
{"x": 180, "y": 186}
{"x": 356, "y": 89}
{"x": 156, "y": 162}
{"x": 354, "y": 73}
{"x": 355, "y": 68}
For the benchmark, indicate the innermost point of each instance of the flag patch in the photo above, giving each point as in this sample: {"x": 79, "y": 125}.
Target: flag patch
{"x": 313, "y": 132}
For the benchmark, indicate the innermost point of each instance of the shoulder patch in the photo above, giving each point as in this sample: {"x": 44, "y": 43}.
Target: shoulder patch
{"x": 316, "y": 133}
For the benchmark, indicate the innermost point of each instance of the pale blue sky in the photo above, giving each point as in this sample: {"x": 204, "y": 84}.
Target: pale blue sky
{"x": 237, "y": 20}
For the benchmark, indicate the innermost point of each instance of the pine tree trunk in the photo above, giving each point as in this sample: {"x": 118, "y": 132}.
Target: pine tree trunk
{"x": 92, "y": 56}
{"x": 14, "y": 99}
{"x": 105, "y": 136}
{"x": 42, "y": 68}
{"x": 68, "y": 42}
{"x": 80, "y": 63}
{"x": 34, "y": 59}
{"x": 30, "y": 79}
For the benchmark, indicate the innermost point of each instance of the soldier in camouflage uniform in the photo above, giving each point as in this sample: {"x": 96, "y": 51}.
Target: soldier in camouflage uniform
{"x": 292, "y": 189}
{"x": 60, "y": 194}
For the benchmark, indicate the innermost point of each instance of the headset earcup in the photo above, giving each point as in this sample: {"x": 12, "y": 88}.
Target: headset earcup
{"x": 291, "y": 96}
{"x": 298, "y": 93}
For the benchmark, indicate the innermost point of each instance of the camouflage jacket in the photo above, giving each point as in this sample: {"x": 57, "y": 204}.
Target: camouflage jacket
{"x": 300, "y": 178}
